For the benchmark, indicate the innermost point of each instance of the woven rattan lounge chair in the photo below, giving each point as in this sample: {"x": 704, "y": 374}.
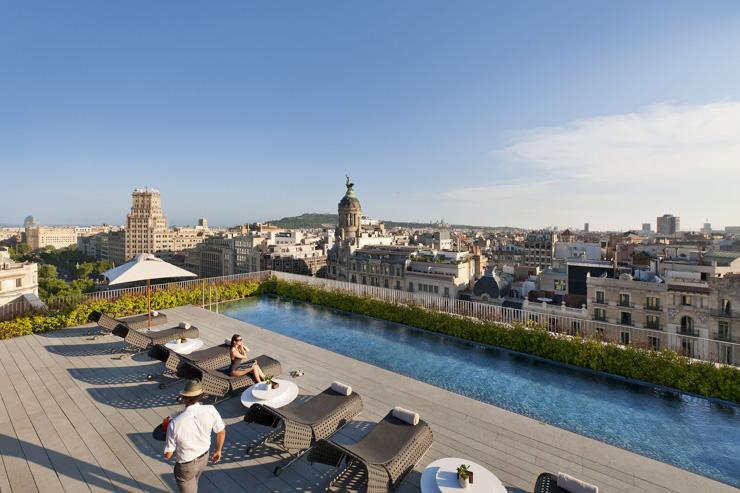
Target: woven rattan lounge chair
{"x": 142, "y": 340}
{"x": 176, "y": 365}
{"x": 218, "y": 382}
{"x": 548, "y": 483}
{"x": 296, "y": 430}
{"x": 384, "y": 456}
{"x": 106, "y": 323}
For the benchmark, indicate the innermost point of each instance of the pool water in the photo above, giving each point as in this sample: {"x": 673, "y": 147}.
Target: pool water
{"x": 692, "y": 433}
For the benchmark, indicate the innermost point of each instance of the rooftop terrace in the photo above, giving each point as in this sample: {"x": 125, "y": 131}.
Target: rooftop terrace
{"x": 75, "y": 418}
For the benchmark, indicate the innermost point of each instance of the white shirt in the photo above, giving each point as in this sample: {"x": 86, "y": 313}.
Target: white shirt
{"x": 189, "y": 433}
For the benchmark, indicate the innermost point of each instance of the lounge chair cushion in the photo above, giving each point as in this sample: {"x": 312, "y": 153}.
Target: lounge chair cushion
{"x": 381, "y": 445}
{"x": 184, "y": 325}
{"x": 406, "y": 416}
{"x": 341, "y": 388}
{"x": 575, "y": 485}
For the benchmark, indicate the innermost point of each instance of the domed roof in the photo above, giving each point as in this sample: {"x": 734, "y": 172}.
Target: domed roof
{"x": 486, "y": 285}
{"x": 349, "y": 202}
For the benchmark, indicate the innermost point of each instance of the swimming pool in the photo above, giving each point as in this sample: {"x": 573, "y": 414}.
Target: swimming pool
{"x": 689, "y": 432}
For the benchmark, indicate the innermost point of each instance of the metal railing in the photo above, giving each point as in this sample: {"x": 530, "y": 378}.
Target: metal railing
{"x": 703, "y": 348}
{"x": 14, "y": 309}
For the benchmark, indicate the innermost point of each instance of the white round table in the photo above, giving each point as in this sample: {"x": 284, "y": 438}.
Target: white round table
{"x": 286, "y": 393}
{"x": 441, "y": 477}
{"x": 186, "y": 347}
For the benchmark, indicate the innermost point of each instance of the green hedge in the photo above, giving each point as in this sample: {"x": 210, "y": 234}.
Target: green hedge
{"x": 126, "y": 305}
{"x": 658, "y": 367}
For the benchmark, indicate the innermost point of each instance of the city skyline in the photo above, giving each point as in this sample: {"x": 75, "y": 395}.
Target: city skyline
{"x": 482, "y": 114}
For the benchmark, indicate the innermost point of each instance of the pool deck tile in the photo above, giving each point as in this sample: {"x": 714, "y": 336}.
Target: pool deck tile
{"x": 74, "y": 417}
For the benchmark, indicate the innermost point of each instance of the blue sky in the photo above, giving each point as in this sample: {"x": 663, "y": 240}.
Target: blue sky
{"x": 519, "y": 113}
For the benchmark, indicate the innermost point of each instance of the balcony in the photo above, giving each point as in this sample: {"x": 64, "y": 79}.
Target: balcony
{"x": 625, "y": 304}
{"x": 598, "y": 302}
{"x": 725, "y": 314}
{"x": 723, "y": 336}
{"x": 600, "y": 318}
{"x": 656, "y": 308}
{"x": 653, "y": 326}
{"x": 688, "y": 332}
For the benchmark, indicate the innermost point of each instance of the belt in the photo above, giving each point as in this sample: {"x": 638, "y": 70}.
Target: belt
{"x": 189, "y": 461}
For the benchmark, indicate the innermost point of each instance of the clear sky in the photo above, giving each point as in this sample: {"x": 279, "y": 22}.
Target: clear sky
{"x": 518, "y": 113}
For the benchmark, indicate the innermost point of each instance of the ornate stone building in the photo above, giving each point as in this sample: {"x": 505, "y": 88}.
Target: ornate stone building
{"x": 146, "y": 225}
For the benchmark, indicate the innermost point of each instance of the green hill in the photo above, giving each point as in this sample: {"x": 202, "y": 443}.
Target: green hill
{"x": 304, "y": 221}
{"x": 317, "y": 220}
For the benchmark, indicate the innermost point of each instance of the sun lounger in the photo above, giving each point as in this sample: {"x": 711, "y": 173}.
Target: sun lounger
{"x": 107, "y": 324}
{"x": 562, "y": 483}
{"x": 296, "y": 430}
{"x": 176, "y": 365}
{"x": 142, "y": 340}
{"x": 218, "y": 382}
{"x": 384, "y": 456}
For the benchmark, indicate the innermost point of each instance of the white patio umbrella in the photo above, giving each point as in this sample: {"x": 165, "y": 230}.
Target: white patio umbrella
{"x": 145, "y": 267}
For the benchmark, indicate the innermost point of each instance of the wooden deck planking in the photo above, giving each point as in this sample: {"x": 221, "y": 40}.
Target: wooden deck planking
{"x": 74, "y": 417}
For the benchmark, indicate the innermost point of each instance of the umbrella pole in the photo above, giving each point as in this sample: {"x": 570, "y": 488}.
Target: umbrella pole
{"x": 149, "y": 304}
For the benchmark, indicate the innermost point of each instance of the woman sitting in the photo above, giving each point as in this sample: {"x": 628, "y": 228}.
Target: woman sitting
{"x": 239, "y": 364}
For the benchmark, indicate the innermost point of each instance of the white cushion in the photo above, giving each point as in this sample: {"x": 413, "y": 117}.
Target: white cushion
{"x": 341, "y": 388}
{"x": 154, "y": 313}
{"x": 405, "y": 415}
{"x": 575, "y": 485}
{"x": 184, "y": 325}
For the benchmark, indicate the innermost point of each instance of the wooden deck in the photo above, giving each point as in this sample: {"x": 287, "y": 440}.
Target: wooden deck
{"x": 75, "y": 418}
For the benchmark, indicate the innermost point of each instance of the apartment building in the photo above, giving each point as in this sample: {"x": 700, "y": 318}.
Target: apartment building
{"x": 43, "y": 236}
{"x": 16, "y": 279}
{"x": 539, "y": 248}
{"x": 635, "y": 300}
{"x": 668, "y": 225}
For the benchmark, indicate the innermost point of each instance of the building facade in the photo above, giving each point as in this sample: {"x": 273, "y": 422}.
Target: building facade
{"x": 43, "y": 236}
{"x": 668, "y": 225}
{"x": 539, "y": 248}
{"x": 16, "y": 279}
{"x": 146, "y": 225}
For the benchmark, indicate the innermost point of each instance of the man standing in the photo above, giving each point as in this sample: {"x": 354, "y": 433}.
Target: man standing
{"x": 189, "y": 438}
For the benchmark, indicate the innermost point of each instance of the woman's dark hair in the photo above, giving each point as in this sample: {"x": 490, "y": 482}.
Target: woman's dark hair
{"x": 234, "y": 338}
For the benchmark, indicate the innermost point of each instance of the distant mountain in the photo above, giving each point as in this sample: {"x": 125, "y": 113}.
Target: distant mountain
{"x": 317, "y": 220}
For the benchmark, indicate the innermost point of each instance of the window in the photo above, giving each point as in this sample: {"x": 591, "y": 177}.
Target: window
{"x": 600, "y": 314}
{"x": 652, "y": 322}
{"x": 19, "y": 282}
{"x": 624, "y": 338}
{"x": 686, "y": 300}
{"x": 411, "y": 287}
{"x": 724, "y": 307}
{"x": 652, "y": 303}
{"x": 625, "y": 318}
{"x": 687, "y": 325}
{"x": 624, "y": 299}
{"x": 723, "y": 330}
{"x": 654, "y": 343}
{"x": 600, "y": 298}
{"x": 436, "y": 289}
{"x": 385, "y": 283}
{"x": 447, "y": 292}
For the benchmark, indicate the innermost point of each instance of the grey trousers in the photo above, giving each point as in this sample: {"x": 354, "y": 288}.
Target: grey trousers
{"x": 187, "y": 475}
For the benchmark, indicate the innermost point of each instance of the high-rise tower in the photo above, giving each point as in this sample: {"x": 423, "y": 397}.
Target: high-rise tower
{"x": 146, "y": 225}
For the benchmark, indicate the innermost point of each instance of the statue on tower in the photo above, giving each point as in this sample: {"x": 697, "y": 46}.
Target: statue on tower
{"x": 350, "y": 185}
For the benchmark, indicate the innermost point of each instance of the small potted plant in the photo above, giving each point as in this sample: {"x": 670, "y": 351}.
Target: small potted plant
{"x": 270, "y": 383}
{"x": 464, "y": 475}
